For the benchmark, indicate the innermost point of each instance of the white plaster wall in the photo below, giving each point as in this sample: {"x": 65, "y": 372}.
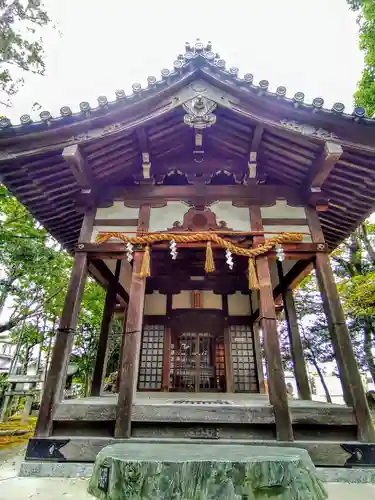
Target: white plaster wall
{"x": 163, "y": 218}
{"x": 237, "y": 218}
{"x": 287, "y": 266}
{"x": 155, "y": 304}
{"x": 288, "y": 229}
{"x": 255, "y": 300}
{"x": 117, "y": 211}
{"x": 113, "y": 229}
{"x": 181, "y": 300}
{"x": 125, "y": 273}
{"x": 281, "y": 210}
{"x": 210, "y": 300}
{"x": 238, "y": 304}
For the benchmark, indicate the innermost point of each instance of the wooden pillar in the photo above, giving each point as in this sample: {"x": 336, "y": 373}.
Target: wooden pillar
{"x": 276, "y": 382}
{"x": 129, "y": 363}
{"x": 255, "y": 329}
{"x": 349, "y": 374}
{"x": 167, "y": 346}
{"x": 56, "y": 376}
{"x": 63, "y": 345}
{"x": 299, "y": 365}
{"x": 258, "y": 358}
{"x": 227, "y": 347}
{"x": 110, "y": 302}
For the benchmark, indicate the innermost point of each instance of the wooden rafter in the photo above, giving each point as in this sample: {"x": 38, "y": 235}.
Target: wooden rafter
{"x": 254, "y": 146}
{"x": 145, "y": 151}
{"x": 324, "y": 164}
{"x": 79, "y": 167}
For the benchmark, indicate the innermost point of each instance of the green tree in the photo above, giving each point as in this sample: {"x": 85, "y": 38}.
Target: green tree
{"x": 34, "y": 269}
{"x": 354, "y": 264}
{"x": 35, "y": 272}
{"x": 316, "y": 343}
{"x": 365, "y": 95}
{"x": 21, "y": 45}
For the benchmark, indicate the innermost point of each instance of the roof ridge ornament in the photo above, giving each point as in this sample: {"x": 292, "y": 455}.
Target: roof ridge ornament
{"x": 200, "y": 112}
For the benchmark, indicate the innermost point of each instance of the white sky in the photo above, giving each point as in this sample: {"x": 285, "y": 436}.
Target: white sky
{"x": 307, "y": 45}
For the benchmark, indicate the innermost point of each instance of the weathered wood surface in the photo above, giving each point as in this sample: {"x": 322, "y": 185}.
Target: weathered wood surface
{"x": 326, "y": 453}
{"x": 100, "y": 362}
{"x": 343, "y": 348}
{"x": 63, "y": 345}
{"x": 166, "y": 358}
{"x": 353, "y": 390}
{"x": 258, "y": 357}
{"x": 299, "y": 365}
{"x": 129, "y": 363}
{"x": 276, "y": 379}
{"x": 105, "y": 410}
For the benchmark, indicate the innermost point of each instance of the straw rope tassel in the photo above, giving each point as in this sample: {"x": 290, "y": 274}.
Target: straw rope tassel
{"x": 253, "y": 278}
{"x": 209, "y": 265}
{"x": 145, "y": 268}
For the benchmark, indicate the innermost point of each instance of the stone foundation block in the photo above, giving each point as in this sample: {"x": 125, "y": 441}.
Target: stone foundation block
{"x": 146, "y": 471}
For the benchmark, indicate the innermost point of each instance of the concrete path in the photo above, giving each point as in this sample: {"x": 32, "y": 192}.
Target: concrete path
{"x": 26, "y": 488}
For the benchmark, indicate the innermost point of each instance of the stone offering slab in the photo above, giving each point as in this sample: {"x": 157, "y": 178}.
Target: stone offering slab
{"x": 145, "y": 471}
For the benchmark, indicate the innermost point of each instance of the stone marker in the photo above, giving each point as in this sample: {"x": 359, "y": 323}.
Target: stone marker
{"x": 145, "y": 471}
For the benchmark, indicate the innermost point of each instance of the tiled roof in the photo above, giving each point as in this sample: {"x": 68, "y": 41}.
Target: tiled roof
{"x": 195, "y": 57}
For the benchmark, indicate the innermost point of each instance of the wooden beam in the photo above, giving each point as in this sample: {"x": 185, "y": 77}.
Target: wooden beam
{"x": 104, "y": 271}
{"x": 276, "y": 379}
{"x": 246, "y": 195}
{"x": 324, "y": 164}
{"x": 299, "y": 365}
{"x": 79, "y": 167}
{"x": 100, "y": 362}
{"x": 129, "y": 363}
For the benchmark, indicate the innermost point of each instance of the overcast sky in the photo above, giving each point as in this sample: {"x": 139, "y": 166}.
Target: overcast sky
{"x": 306, "y": 45}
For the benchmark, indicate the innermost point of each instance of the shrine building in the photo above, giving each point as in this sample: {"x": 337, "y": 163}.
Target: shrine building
{"x": 198, "y": 201}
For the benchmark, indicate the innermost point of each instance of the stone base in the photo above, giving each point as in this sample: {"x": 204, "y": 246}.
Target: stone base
{"x": 200, "y": 472}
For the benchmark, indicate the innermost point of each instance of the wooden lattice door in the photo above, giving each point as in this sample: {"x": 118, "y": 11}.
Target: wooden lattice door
{"x": 197, "y": 359}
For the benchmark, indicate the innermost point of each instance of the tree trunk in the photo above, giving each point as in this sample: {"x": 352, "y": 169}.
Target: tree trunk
{"x": 323, "y": 382}
{"x": 321, "y": 377}
{"x": 367, "y": 345}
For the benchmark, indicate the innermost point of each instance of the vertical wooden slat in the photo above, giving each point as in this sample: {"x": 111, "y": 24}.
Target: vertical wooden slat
{"x": 299, "y": 365}
{"x": 276, "y": 383}
{"x": 167, "y": 347}
{"x": 349, "y": 374}
{"x": 228, "y": 363}
{"x": 129, "y": 364}
{"x": 166, "y": 358}
{"x": 110, "y": 302}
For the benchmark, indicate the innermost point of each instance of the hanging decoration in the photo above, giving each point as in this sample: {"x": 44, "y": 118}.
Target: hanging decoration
{"x": 129, "y": 251}
{"x": 229, "y": 258}
{"x": 279, "y": 252}
{"x": 173, "y": 249}
{"x": 205, "y": 236}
